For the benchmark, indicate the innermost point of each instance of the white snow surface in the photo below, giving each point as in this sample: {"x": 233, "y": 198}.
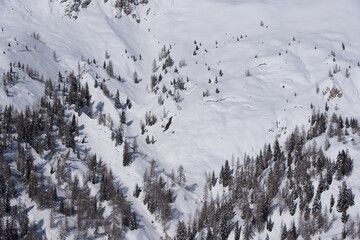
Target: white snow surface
{"x": 287, "y": 57}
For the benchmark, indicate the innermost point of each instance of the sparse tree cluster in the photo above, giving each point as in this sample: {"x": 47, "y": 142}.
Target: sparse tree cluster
{"x": 127, "y": 6}
{"x": 157, "y": 196}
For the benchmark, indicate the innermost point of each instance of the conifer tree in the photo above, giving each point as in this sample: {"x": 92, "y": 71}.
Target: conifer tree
{"x": 213, "y": 179}
{"x": 344, "y": 165}
{"x": 181, "y": 232}
{"x": 237, "y": 231}
{"x": 226, "y": 174}
{"x": 181, "y": 179}
{"x": 123, "y": 117}
{"x": 284, "y": 232}
{"x": 133, "y": 222}
{"x": 119, "y": 135}
{"x": 135, "y": 77}
{"x": 126, "y": 154}
{"x": 224, "y": 228}
{"x": 345, "y": 198}
{"x": 269, "y": 224}
{"x": 292, "y": 234}
{"x": 23, "y": 221}
{"x": 117, "y": 100}
{"x": 110, "y": 69}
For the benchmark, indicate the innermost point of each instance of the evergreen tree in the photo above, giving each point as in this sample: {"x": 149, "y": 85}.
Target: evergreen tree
{"x": 92, "y": 169}
{"x": 237, "y": 231}
{"x": 135, "y": 77}
{"x": 209, "y": 234}
{"x": 224, "y": 228}
{"x": 344, "y": 165}
{"x": 117, "y": 100}
{"x": 137, "y": 191}
{"x": 226, "y": 174}
{"x": 345, "y": 198}
{"x": 329, "y": 174}
{"x": 181, "y": 179}
{"x": 332, "y": 202}
{"x": 292, "y": 234}
{"x": 213, "y": 179}
{"x": 133, "y": 222}
{"x": 269, "y": 225}
{"x": 128, "y": 103}
{"x": 276, "y": 150}
{"x": 248, "y": 229}
{"x": 123, "y": 117}
{"x": 154, "y": 66}
{"x": 126, "y": 154}
{"x": 344, "y": 217}
{"x": 23, "y": 221}
{"x": 291, "y": 206}
{"x": 119, "y": 135}
{"x": 110, "y": 69}
{"x": 33, "y": 185}
{"x": 284, "y": 232}
{"x": 73, "y": 92}
{"x": 181, "y": 233}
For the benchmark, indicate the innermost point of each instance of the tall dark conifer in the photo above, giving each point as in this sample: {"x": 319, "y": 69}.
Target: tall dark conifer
{"x": 126, "y": 154}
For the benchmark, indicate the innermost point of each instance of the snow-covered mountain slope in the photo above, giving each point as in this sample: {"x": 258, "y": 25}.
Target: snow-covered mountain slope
{"x": 251, "y": 71}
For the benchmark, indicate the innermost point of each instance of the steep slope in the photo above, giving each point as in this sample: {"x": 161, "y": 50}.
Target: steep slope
{"x": 250, "y": 72}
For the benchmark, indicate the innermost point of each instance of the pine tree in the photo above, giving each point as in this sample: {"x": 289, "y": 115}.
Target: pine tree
{"x": 269, "y": 225}
{"x": 329, "y": 174}
{"x": 110, "y": 69}
{"x": 135, "y": 146}
{"x": 226, "y": 174}
{"x": 8, "y": 230}
{"x": 92, "y": 169}
{"x": 119, "y": 135}
{"x": 221, "y": 175}
{"x": 248, "y": 229}
{"x": 292, "y": 206}
{"x": 23, "y": 221}
{"x": 332, "y": 202}
{"x": 345, "y": 198}
{"x": 325, "y": 219}
{"x": 261, "y": 211}
{"x": 209, "y": 234}
{"x": 33, "y": 185}
{"x": 292, "y": 234}
{"x": 276, "y": 150}
{"x": 181, "y": 179}
{"x": 237, "y": 231}
{"x": 128, "y": 103}
{"x": 135, "y": 77}
{"x": 181, "y": 233}
{"x": 117, "y": 100}
{"x": 224, "y": 228}
{"x": 123, "y": 117}
{"x": 344, "y": 165}
{"x": 284, "y": 232}
{"x": 133, "y": 222}
{"x": 154, "y": 66}
{"x": 344, "y": 217}
{"x": 126, "y": 154}
{"x": 308, "y": 190}
{"x": 137, "y": 191}
{"x": 213, "y": 179}
{"x": 344, "y": 233}
{"x": 52, "y": 217}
